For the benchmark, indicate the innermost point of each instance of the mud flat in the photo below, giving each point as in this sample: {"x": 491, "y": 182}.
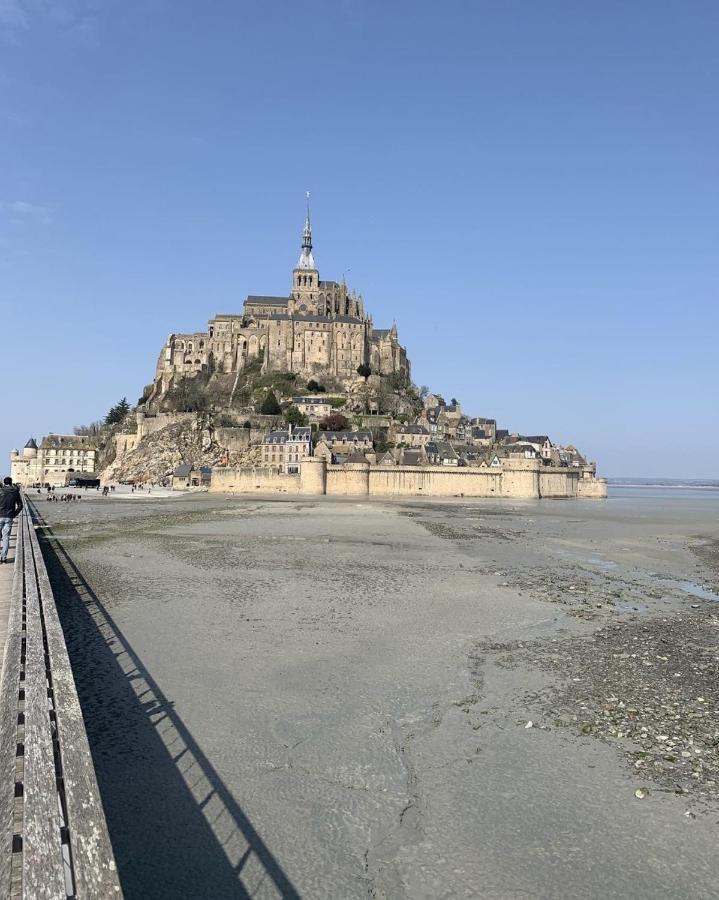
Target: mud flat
{"x": 399, "y": 699}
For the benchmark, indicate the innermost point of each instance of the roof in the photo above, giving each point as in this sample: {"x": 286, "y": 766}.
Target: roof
{"x": 534, "y": 438}
{"x": 380, "y": 332}
{"x": 441, "y": 448}
{"x": 411, "y": 457}
{"x": 344, "y": 436}
{"x": 301, "y": 433}
{"x": 412, "y": 429}
{"x": 276, "y": 437}
{"x": 183, "y": 471}
{"x": 31, "y": 444}
{"x": 356, "y": 457}
{"x": 77, "y": 441}
{"x": 267, "y": 301}
{"x": 315, "y": 398}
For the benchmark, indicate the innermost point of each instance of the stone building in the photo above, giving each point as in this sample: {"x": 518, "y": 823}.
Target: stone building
{"x": 58, "y": 457}
{"x": 286, "y": 449}
{"x": 319, "y": 329}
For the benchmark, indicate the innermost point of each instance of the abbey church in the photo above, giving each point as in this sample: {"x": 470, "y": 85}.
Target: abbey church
{"x": 319, "y": 329}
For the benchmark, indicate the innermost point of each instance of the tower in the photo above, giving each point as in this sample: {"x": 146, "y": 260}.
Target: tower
{"x": 305, "y": 277}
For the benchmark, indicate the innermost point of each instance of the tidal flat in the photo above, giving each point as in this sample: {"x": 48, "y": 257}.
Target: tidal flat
{"x": 349, "y": 698}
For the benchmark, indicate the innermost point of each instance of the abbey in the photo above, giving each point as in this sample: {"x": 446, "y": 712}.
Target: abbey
{"x": 319, "y": 329}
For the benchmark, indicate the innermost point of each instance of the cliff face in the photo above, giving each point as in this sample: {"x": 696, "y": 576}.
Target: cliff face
{"x": 158, "y": 454}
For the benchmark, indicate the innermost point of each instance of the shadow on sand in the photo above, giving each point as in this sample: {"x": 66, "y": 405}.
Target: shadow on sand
{"x": 176, "y": 830}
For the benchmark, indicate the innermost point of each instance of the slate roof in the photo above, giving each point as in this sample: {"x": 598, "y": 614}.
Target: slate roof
{"x": 441, "y": 448}
{"x": 301, "y": 433}
{"x": 183, "y": 471}
{"x": 356, "y": 457}
{"x": 380, "y": 332}
{"x": 313, "y": 399}
{"x": 267, "y": 301}
{"x": 411, "y": 457}
{"x": 330, "y": 437}
{"x": 31, "y": 444}
{"x": 534, "y": 438}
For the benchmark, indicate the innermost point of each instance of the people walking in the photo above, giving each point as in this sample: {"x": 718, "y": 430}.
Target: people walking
{"x": 10, "y": 506}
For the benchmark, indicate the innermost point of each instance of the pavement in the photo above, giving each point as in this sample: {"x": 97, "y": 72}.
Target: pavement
{"x": 6, "y": 576}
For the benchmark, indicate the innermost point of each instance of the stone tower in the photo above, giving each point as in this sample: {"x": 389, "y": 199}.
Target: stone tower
{"x": 305, "y": 276}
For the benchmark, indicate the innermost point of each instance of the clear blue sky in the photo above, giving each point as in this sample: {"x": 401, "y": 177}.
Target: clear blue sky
{"x": 530, "y": 188}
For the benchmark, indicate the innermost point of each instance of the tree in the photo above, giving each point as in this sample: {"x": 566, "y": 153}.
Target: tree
{"x": 293, "y": 416}
{"x": 270, "y": 406}
{"x": 334, "y": 422}
{"x": 314, "y": 387}
{"x": 364, "y": 370}
{"x": 94, "y": 428}
{"x": 118, "y": 412}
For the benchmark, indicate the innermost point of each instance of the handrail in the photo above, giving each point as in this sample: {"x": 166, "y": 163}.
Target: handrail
{"x": 52, "y": 826}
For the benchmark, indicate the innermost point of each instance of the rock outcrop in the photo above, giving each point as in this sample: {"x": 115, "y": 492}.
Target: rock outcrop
{"x": 158, "y": 454}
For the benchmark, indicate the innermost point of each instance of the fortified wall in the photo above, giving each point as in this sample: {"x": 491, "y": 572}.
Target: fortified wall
{"x": 524, "y": 479}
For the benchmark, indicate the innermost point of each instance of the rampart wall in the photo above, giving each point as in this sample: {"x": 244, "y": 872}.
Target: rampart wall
{"x": 519, "y": 479}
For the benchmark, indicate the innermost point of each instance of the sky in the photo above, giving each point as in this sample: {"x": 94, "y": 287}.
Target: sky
{"x": 531, "y": 190}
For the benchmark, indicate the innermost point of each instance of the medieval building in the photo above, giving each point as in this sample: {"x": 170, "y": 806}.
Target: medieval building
{"x": 319, "y": 329}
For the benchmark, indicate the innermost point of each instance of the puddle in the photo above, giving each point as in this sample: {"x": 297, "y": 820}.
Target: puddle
{"x": 696, "y": 590}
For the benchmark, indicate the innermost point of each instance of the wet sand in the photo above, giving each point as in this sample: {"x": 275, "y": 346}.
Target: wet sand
{"x": 332, "y": 699}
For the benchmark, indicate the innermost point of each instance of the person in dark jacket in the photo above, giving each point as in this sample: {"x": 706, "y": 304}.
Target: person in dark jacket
{"x": 10, "y": 506}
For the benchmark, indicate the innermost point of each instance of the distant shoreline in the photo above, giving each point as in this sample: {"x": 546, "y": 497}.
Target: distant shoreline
{"x": 685, "y": 483}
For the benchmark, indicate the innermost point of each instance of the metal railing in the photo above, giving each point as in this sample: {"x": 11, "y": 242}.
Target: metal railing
{"x": 55, "y": 842}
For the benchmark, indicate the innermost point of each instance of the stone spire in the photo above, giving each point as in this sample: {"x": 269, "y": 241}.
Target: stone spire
{"x": 307, "y": 261}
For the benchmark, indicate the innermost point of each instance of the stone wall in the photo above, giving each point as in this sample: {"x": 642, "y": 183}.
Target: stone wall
{"x": 518, "y": 479}
{"x": 253, "y": 481}
{"x": 233, "y": 438}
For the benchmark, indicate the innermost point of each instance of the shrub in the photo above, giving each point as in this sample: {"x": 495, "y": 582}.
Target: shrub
{"x": 187, "y": 395}
{"x": 334, "y": 422}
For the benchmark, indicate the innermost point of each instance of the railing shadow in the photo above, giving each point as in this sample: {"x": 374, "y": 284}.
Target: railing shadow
{"x": 176, "y": 830}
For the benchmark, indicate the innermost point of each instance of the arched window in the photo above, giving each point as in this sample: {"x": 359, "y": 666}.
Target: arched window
{"x": 202, "y": 345}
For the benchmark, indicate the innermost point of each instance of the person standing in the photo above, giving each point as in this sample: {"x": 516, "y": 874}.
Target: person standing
{"x": 10, "y": 506}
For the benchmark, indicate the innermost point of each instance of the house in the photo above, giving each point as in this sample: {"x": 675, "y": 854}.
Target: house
{"x": 540, "y": 442}
{"x": 413, "y": 458}
{"x": 441, "y": 453}
{"x": 452, "y": 419}
{"x": 434, "y": 419}
{"x": 356, "y": 456}
{"x": 187, "y": 476}
{"x": 412, "y": 435}
{"x": 482, "y": 431}
{"x": 387, "y": 459}
{"x": 314, "y": 407}
{"x": 520, "y": 448}
{"x": 346, "y": 441}
{"x": 285, "y": 449}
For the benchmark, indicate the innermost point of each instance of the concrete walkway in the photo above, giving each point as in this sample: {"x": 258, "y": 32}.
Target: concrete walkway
{"x": 6, "y": 576}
